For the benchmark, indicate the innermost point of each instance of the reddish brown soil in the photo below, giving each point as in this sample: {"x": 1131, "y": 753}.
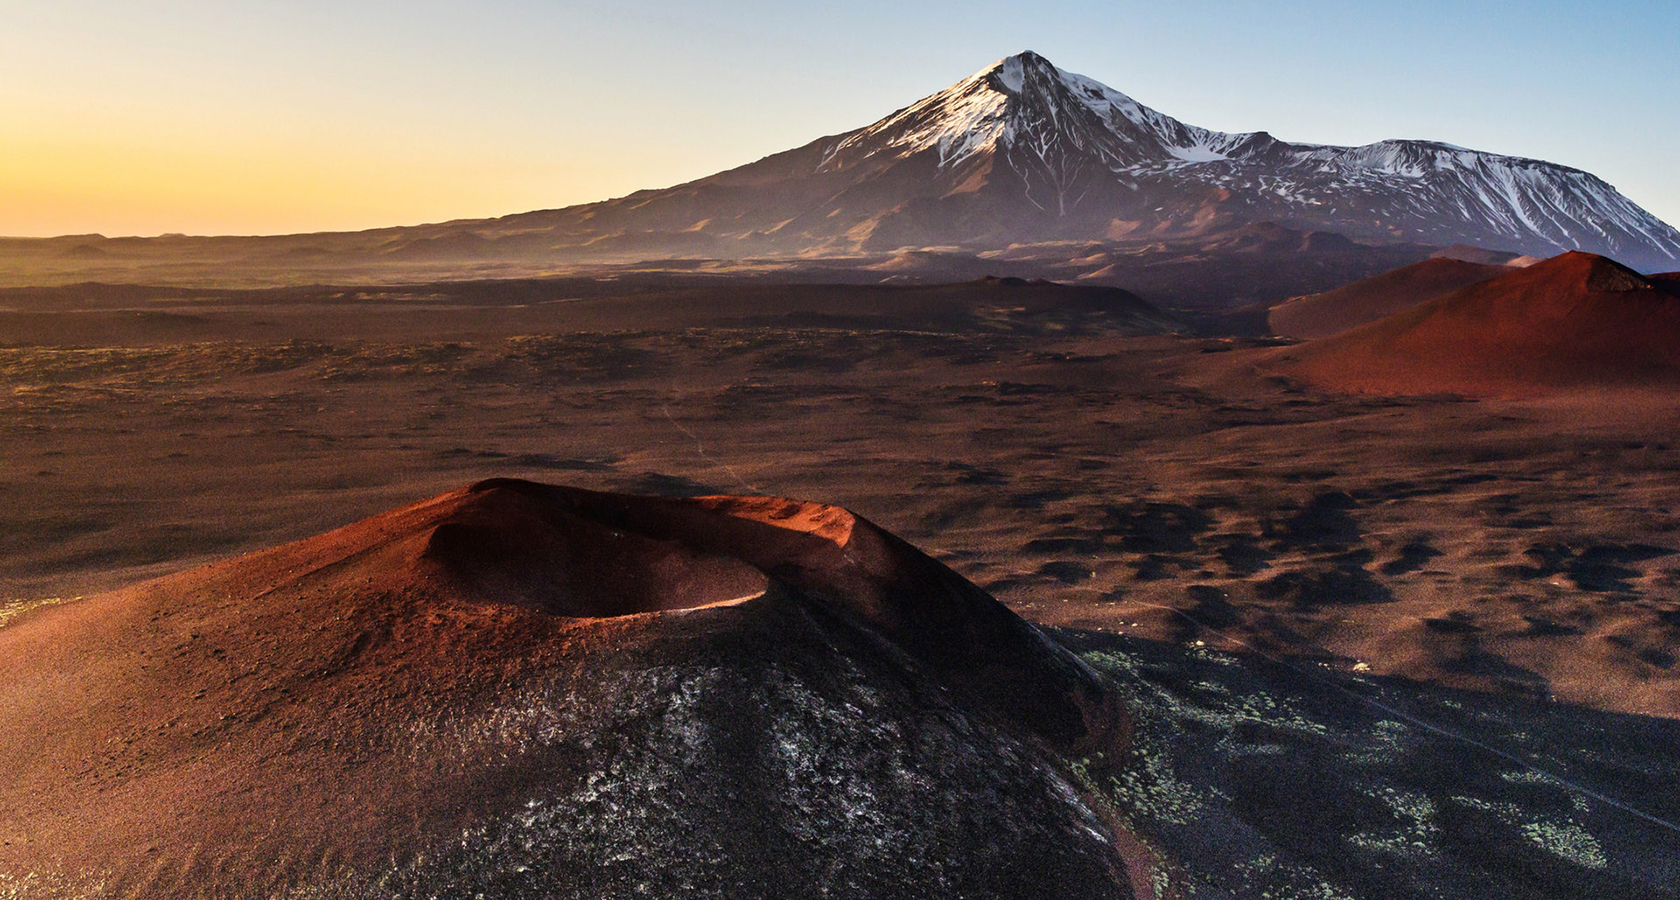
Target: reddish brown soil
{"x": 1151, "y": 494}
{"x": 1362, "y": 302}
{"x": 1151, "y": 485}
{"x": 1576, "y": 320}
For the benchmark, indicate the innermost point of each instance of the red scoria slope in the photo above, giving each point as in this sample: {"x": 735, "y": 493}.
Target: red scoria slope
{"x": 1573, "y": 321}
{"x": 1353, "y": 305}
{"x": 518, "y": 690}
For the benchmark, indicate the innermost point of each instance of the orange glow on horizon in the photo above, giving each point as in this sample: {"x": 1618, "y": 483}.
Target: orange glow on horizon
{"x": 137, "y": 180}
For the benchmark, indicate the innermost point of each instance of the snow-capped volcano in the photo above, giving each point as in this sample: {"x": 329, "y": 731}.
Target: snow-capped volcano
{"x": 1024, "y": 152}
{"x": 1023, "y": 103}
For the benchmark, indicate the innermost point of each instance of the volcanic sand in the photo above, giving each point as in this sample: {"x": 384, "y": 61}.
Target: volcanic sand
{"x": 1156, "y": 496}
{"x": 1154, "y": 486}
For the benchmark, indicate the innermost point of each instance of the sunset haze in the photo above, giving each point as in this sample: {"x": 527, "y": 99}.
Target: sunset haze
{"x": 250, "y": 118}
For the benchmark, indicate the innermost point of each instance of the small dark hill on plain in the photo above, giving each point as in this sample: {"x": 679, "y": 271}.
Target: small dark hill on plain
{"x": 1353, "y": 305}
{"x": 120, "y": 315}
{"x": 988, "y": 303}
{"x": 1573, "y": 321}
{"x": 514, "y": 690}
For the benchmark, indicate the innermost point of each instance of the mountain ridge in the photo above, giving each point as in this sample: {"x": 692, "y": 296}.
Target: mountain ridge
{"x": 1019, "y": 154}
{"x": 1091, "y": 162}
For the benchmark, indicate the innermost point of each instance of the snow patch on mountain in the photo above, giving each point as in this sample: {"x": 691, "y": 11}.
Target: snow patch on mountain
{"x": 1053, "y": 128}
{"x": 958, "y": 122}
{"x": 1199, "y": 153}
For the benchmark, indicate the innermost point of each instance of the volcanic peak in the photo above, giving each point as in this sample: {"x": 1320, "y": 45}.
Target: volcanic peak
{"x": 1030, "y": 149}
{"x": 1026, "y": 101}
{"x": 1019, "y": 98}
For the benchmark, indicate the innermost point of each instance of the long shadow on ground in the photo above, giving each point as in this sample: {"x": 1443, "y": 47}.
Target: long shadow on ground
{"x": 1255, "y": 778}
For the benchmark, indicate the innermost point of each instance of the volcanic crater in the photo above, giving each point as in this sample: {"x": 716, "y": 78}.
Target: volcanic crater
{"x": 527, "y": 690}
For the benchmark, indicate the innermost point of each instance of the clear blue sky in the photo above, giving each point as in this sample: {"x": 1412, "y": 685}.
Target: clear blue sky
{"x": 293, "y": 115}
